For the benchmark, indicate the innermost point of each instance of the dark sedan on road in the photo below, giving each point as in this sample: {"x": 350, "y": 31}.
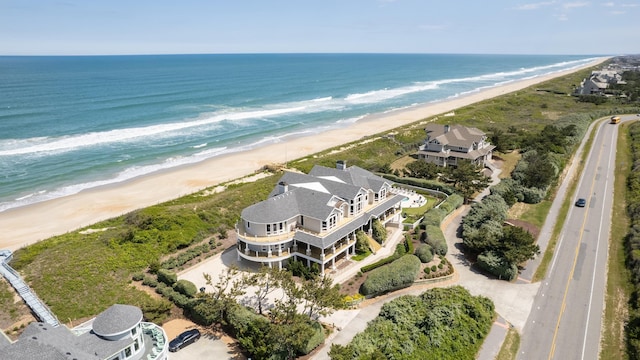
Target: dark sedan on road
{"x": 184, "y": 339}
{"x": 581, "y": 202}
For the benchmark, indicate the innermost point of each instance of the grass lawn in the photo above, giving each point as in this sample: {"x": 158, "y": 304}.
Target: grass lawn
{"x": 619, "y": 286}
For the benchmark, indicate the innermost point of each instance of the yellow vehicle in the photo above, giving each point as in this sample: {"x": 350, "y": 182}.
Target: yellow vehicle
{"x": 615, "y": 119}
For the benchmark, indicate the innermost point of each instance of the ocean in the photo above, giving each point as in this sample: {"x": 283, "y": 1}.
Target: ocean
{"x": 71, "y": 123}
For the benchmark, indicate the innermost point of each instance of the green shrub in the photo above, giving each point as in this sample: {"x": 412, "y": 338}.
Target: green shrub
{"x": 434, "y": 268}
{"x": 167, "y": 277}
{"x": 408, "y": 242}
{"x": 379, "y": 233}
{"x": 427, "y": 184}
{"x": 185, "y": 287}
{"x": 451, "y": 203}
{"x": 436, "y": 239}
{"x": 424, "y": 253}
{"x": 203, "y": 311}
{"x": 138, "y": 276}
{"x": 160, "y": 288}
{"x": 427, "y": 270}
{"x": 498, "y": 266}
{"x": 433, "y": 217}
{"x": 316, "y": 339}
{"x": 401, "y": 273}
{"x": 149, "y": 281}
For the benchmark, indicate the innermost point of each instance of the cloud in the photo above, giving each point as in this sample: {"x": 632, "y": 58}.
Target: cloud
{"x": 629, "y": 5}
{"x": 608, "y": 4}
{"x": 617, "y": 12}
{"x": 573, "y": 5}
{"x": 534, "y": 6}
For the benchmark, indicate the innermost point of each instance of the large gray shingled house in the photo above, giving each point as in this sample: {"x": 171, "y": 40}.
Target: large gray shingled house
{"x": 314, "y": 217}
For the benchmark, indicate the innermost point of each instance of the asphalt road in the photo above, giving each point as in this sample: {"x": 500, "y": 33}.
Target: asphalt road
{"x": 565, "y": 320}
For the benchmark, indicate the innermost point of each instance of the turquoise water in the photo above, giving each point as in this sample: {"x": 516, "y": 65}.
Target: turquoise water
{"x": 73, "y": 123}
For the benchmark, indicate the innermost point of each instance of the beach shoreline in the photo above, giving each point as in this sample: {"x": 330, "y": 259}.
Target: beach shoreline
{"x": 31, "y": 223}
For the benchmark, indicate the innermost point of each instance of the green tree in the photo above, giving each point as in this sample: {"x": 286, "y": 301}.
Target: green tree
{"x": 362, "y": 243}
{"x": 518, "y": 245}
{"x": 379, "y": 233}
{"x": 424, "y": 170}
{"x": 265, "y": 281}
{"x": 466, "y": 178}
{"x": 321, "y": 297}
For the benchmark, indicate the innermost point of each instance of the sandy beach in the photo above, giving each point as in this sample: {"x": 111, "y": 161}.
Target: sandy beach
{"x": 29, "y": 224}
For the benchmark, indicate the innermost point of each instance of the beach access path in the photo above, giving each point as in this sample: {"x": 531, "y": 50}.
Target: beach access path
{"x": 29, "y": 224}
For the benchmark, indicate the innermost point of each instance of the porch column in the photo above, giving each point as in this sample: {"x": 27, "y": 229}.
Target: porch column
{"x": 333, "y": 263}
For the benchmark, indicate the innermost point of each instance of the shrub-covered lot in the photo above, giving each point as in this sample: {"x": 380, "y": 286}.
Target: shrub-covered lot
{"x": 445, "y": 323}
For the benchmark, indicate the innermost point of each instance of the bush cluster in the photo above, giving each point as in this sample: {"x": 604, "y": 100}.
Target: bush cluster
{"x": 187, "y": 256}
{"x": 424, "y": 253}
{"x": 427, "y": 184}
{"x": 497, "y": 265}
{"x": 401, "y": 273}
{"x": 443, "y": 323}
{"x": 403, "y": 248}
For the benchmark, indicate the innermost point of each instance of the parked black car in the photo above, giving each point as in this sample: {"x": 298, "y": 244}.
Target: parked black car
{"x": 581, "y": 202}
{"x": 184, "y": 339}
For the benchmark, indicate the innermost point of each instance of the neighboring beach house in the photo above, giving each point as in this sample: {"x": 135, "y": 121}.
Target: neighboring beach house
{"x": 598, "y": 82}
{"x": 118, "y": 333}
{"x": 446, "y": 145}
{"x": 314, "y": 217}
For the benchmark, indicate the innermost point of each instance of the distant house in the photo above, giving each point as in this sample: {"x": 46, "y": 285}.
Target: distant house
{"x": 598, "y": 82}
{"x": 118, "y": 333}
{"x": 314, "y": 217}
{"x": 446, "y": 145}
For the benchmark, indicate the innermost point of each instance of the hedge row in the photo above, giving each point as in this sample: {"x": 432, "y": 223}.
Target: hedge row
{"x": 427, "y": 184}
{"x": 187, "y": 256}
{"x": 436, "y": 239}
{"x": 399, "y": 274}
{"x": 403, "y": 248}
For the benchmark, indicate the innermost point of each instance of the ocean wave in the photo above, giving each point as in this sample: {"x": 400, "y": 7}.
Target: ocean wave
{"x": 57, "y": 145}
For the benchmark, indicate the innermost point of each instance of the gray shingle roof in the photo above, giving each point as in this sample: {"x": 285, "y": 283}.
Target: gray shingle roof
{"x": 310, "y": 194}
{"x": 117, "y": 319}
{"x": 457, "y": 135}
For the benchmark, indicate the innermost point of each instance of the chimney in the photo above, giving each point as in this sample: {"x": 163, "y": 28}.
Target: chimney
{"x": 282, "y": 187}
{"x": 341, "y": 165}
{"x": 446, "y": 128}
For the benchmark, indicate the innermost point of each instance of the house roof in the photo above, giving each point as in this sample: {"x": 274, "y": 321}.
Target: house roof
{"x": 315, "y": 195}
{"x": 454, "y": 135}
{"x": 117, "y": 319}
{"x": 43, "y": 341}
{"x": 328, "y": 239}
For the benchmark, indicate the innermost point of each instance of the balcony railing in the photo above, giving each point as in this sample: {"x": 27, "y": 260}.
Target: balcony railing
{"x": 312, "y": 252}
{"x": 155, "y": 342}
{"x": 280, "y": 238}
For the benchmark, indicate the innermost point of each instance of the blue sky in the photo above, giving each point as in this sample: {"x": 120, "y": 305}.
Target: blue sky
{"x": 66, "y": 27}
